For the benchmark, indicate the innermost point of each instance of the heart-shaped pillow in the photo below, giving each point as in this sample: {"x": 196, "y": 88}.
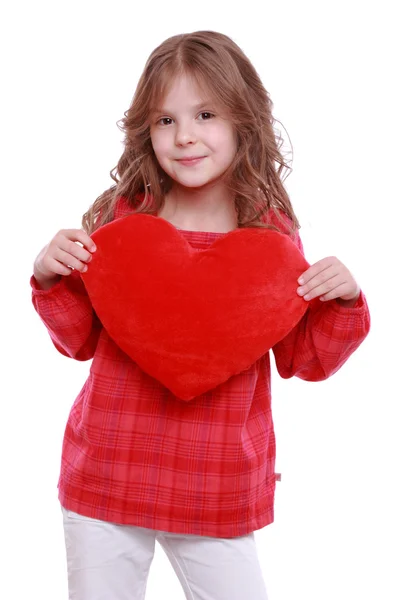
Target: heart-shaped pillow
{"x": 193, "y": 318}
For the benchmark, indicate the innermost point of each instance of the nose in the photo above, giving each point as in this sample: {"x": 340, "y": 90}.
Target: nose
{"x": 185, "y": 134}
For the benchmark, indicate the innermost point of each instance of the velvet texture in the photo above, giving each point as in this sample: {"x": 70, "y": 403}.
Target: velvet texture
{"x": 193, "y": 318}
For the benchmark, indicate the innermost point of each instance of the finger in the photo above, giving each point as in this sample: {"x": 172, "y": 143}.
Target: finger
{"x": 58, "y": 268}
{"x": 328, "y": 287}
{"x": 316, "y": 268}
{"x": 318, "y": 280}
{"x": 338, "y": 292}
{"x": 79, "y": 235}
{"x": 69, "y": 260}
{"x": 74, "y": 249}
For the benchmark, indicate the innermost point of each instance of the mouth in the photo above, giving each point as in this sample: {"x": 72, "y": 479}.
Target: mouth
{"x": 190, "y": 160}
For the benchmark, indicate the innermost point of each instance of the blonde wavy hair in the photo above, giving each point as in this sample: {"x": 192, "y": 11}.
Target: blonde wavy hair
{"x": 256, "y": 175}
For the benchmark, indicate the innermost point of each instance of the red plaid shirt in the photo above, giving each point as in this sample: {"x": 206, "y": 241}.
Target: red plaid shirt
{"x": 135, "y": 454}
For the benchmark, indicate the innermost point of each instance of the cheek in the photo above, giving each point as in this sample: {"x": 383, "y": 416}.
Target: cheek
{"x": 160, "y": 145}
{"x": 225, "y": 139}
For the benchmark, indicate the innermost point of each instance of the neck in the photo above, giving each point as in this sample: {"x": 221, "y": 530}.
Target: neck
{"x": 200, "y": 210}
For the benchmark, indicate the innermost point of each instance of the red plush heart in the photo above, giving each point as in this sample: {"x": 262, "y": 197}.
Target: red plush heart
{"x": 192, "y": 318}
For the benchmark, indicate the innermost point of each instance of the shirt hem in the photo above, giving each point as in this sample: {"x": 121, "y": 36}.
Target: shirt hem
{"x": 226, "y": 530}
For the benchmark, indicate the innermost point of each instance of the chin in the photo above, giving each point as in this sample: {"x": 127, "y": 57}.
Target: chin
{"x": 192, "y": 186}
{"x": 192, "y": 183}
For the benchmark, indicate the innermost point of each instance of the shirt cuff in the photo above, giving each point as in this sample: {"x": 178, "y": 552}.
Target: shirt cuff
{"x": 37, "y": 290}
{"x": 360, "y": 305}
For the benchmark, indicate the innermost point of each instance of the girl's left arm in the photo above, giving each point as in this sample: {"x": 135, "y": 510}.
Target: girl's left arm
{"x": 331, "y": 330}
{"x": 323, "y": 340}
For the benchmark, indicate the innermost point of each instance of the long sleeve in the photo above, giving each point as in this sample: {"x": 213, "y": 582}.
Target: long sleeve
{"x": 324, "y": 338}
{"x": 67, "y": 312}
{"x": 68, "y": 315}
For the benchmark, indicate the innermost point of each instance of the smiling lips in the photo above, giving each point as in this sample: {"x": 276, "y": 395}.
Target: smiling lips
{"x": 190, "y": 160}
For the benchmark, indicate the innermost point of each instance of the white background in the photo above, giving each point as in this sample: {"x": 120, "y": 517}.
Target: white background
{"x": 69, "y": 73}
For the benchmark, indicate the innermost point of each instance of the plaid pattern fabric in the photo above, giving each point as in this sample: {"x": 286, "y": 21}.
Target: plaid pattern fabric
{"x": 135, "y": 454}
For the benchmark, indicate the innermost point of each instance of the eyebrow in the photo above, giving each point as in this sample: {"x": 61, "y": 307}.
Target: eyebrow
{"x": 195, "y": 108}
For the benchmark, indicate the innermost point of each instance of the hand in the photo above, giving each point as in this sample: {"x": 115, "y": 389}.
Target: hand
{"x": 329, "y": 279}
{"x": 62, "y": 254}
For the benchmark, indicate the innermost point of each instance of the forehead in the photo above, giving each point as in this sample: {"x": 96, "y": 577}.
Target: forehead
{"x": 183, "y": 92}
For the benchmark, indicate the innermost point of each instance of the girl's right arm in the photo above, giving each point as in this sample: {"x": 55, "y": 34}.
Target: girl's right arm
{"x": 59, "y": 295}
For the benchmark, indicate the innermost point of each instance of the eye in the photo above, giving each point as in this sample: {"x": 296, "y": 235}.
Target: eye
{"x": 206, "y": 116}
{"x": 164, "y": 121}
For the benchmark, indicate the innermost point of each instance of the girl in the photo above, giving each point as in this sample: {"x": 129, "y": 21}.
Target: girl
{"x": 138, "y": 464}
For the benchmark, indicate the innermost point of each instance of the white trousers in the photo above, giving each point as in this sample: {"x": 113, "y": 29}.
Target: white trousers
{"x": 112, "y": 562}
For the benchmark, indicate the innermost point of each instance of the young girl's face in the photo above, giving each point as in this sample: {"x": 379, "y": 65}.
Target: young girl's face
{"x": 192, "y": 140}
